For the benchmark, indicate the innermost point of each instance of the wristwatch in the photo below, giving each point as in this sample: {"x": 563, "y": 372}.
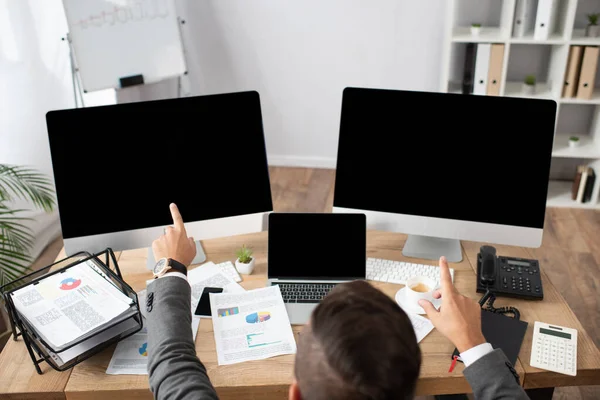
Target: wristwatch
{"x": 165, "y": 265}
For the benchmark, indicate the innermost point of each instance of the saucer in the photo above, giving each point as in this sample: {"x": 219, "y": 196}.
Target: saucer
{"x": 410, "y": 308}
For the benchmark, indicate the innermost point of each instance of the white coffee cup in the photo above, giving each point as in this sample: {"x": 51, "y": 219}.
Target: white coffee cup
{"x": 419, "y": 283}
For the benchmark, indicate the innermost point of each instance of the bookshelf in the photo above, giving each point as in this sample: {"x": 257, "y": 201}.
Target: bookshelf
{"x": 547, "y": 60}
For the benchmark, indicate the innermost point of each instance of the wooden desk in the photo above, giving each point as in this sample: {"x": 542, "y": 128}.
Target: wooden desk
{"x": 269, "y": 379}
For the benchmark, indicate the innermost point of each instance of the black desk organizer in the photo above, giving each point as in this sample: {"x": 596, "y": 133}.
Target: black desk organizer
{"x": 36, "y": 346}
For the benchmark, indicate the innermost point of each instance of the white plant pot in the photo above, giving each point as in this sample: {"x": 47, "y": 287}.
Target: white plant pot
{"x": 475, "y": 31}
{"x": 244, "y": 268}
{"x": 592, "y": 31}
{"x": 573, "y": 143}
{"x": 528, "y": 90}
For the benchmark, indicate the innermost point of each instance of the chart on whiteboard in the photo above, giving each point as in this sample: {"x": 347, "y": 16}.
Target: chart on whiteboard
{"x": 124, "y": 38}
{"x": 128, "y": 12}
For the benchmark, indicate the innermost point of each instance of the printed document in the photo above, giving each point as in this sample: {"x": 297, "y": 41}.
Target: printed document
{"x": 421, "y": 325}
{"x": 66, "y": 306}
{"x": 130, "y": 356}
{"x": 252, "y": 325}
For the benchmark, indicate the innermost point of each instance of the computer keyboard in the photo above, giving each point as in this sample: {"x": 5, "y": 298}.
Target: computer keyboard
{"x": 304, "y": 292}
{"x": 399, "y": 271}
{"x": 228, "y": 269}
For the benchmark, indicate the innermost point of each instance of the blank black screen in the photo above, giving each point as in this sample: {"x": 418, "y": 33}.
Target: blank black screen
{"x": 453, "y": 156}
{"x": 317, "y": 246}
{"x": 119, "y": 167}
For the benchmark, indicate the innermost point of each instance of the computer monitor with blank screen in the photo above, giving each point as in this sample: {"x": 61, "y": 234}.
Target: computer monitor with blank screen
{"x": 443, "y": 167}
{"x": 117, "y": 168}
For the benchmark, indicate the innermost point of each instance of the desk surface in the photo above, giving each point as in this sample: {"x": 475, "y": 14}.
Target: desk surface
{"x": 270, "y": 378}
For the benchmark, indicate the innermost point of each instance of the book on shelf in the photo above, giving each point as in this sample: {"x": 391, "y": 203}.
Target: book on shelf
{"x": 583, "y": 184}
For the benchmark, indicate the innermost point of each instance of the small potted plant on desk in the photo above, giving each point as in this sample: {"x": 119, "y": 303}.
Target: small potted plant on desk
{"x": 245, "y": 261}
{"x": 573, "y": 141}
{"x": 529, "y": 85}
{"x": 475, "y": 29}
{"x": 592, "y": 29}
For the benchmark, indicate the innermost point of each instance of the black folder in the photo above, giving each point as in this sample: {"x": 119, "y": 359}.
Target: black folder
{"x": 502, "y": 332}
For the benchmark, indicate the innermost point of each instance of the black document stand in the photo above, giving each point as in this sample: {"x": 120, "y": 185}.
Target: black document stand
{"x": 35, "y": 344}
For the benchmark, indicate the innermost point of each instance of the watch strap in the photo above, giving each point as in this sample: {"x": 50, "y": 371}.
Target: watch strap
{"x": 177, "y": 266}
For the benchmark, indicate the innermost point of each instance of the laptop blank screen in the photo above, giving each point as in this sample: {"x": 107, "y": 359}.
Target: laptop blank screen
{"x": 317, "y": 246}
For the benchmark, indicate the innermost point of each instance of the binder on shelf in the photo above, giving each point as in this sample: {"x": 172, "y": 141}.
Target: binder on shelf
{"x": 545, "y": 19}
{"x": 469, "y": 68}
{"x": 572, "y": 73}
{"x": 589, "y": 185}
{"x": 495, "y": 69}
{"x": 482, "y": 65}
{"x": 524, "y": 18}
{"x": 587, "y": 76}
{"x": 96, "y": 336}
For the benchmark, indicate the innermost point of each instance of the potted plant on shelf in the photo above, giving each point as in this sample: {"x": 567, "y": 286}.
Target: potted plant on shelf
{"x": 529, "y": 85}
{"x": 245, "y": 261}
{"x": 475, "y": 29}
{"x": 593, "y": 29}
{"x": 573, "y": 141}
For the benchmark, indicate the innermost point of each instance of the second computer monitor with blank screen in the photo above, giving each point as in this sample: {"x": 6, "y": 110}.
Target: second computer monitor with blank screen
{"x": 443, "y": 167}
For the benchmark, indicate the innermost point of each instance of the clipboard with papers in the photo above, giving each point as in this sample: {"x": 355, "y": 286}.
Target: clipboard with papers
{"x": 72, "y": 309}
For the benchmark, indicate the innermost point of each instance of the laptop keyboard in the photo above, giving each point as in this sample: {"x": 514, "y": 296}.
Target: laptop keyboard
{"x": 304, "y": 292}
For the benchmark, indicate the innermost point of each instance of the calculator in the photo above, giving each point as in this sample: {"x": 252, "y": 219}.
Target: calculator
{"x": 554, "y": 348}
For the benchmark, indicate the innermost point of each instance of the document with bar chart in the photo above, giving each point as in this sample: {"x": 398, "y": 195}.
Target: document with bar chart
{"x": 251, "y": 325}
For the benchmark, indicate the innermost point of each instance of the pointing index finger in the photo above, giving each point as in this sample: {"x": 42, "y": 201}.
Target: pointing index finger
{"x": 445, "y": 277}
{"x": 177, "y": 220}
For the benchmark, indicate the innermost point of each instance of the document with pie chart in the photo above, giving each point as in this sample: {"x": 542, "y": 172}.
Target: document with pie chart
{"x": 251, "y": 325}
{"x": 66, "y": 306}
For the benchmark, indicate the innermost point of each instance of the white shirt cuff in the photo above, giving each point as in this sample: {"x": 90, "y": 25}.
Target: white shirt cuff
{"x": 179, "y": 274}
{"x": 468, "y": 357}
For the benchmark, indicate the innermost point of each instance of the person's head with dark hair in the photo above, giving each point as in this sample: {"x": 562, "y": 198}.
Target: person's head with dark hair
{"x": 358, "y": 345}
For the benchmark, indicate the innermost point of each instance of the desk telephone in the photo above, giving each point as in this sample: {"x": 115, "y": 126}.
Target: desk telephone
{"x": 508, "y": 276}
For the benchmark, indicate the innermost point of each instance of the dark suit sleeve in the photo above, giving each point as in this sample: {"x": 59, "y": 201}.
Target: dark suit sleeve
{"x": 174, "y": 370}
{"x": 493, "y": 377}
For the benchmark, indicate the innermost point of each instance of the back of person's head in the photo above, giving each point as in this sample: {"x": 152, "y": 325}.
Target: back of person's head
{"x": 358, "y": 345}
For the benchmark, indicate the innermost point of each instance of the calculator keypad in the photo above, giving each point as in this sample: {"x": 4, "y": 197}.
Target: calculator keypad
{"x": 554, "y": 353}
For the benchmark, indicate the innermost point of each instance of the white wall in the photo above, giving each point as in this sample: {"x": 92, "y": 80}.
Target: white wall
{"x": 299, "y": 55}
{"x": 34, "y": 78}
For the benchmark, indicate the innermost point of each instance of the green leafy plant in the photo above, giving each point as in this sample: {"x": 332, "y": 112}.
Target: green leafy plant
{"x": 16, "y": 238}
{"x": 574, "y": 139}
{"x": 476, "y": 25}
{"x": 530, "y": 80}
{"x": 244, "y": 254}
{"x": 593, "y": 18}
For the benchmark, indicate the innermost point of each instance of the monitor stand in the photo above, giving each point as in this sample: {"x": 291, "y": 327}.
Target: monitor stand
{"x": 200, "y": 256}
{"x": 432, "y": 248}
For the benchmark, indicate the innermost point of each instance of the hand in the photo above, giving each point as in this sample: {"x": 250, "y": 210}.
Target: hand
{"x": 459, "y": 318}
{"x": 174, "y": 243}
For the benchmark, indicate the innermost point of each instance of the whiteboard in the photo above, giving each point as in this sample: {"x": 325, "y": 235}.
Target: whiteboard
{"x": 113, "y": 39}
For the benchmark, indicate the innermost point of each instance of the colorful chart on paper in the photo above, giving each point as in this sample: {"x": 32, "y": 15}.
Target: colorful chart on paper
{"x": 144, "y": 349}
{"x": 224, "y": 312}
{"x": 257, "y": 317}
{"x": 69, "y": 283}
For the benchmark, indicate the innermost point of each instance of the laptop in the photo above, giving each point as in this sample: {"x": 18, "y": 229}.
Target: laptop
{"x": 309, "y": 254}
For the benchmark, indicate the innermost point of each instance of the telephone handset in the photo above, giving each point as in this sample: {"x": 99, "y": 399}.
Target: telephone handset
{"x": 508, "y": 276}
{"x": 487, "y": 277}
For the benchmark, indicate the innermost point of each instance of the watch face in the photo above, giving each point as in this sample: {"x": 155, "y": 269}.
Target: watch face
{"x": 160, "y": 265}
